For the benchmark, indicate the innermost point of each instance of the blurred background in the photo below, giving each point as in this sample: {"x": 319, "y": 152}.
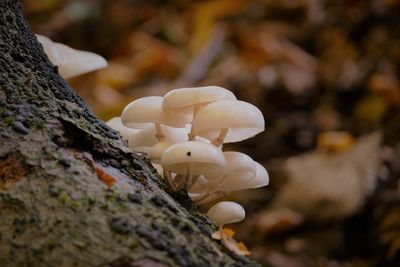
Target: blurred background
{"x": 325, "y": 75}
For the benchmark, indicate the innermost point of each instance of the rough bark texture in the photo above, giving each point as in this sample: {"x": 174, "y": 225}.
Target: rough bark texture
{"x": 57, "y": 163}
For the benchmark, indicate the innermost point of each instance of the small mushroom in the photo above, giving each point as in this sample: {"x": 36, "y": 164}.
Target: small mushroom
{"x": 192, "y": 158}
{"x": 142, "y": 140}
{"x": 117, "y": 125}
{"x": 257, "y": 176}
{"x": 201, "y": 185}
{"x": 237, "y": 165}
{"x": 184, "y": 103}
{"x": 261, "y": 178}
{"x": 70, "y": 62}
{"x": 228, "y": 121}
{"x": 140, "y": 112}
{"x": 51, "y": 51}
{"x": 156, "y": 152}
{"x": 239, "y": 170}
{"x": 226, "y": 212}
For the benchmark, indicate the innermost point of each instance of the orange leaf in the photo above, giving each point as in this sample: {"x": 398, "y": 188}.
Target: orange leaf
{"x": 242, "y": 247}
{"x": 105, "y": 177}
{"x": 228, "y": 232}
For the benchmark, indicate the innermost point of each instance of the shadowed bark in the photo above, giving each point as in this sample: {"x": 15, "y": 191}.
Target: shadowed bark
{"x": 71, "y": 192}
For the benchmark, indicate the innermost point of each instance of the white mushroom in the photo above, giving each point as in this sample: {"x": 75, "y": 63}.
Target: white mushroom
{"x": 142, "y": 140}
{"x": 226, "y": 212}
{"x": 140, "y": 112}
{"x": 254, "y": 177}
{"x": 117, "y": 125}
{"x": 228, "y": 121}
{"x": 51, "y": 50}
{"x": 70, "y": 62}
{"x": 184, "y": 103}
{"x": 209, "y": 191}
{"x": 156, "y": 152}
{"x": 200, "y": 186}
{"x": 261, "y": 179}
{"x": 193, "y": 158}
{"x": 239, "y": 170}
{"x": 237, "y": 165}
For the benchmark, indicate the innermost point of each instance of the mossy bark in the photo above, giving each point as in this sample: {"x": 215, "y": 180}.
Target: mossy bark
{"x": 71, "y": 192}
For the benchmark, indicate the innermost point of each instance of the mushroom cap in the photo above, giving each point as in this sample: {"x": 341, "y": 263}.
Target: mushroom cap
{"x": 156, "y": 152}
{"x": 239, "y": 170}
{"x": 226, "y": 212}
{"x": 51, "y": 50}
{"x": 261, "y": 179}
{"x": 77, "y": 62}
{"x": 242, "y": 182}
{"x": 140, "y": 112}
{"x": 237, "y": 164}
{"x": 203, "y": 158}
{"x": 70, "y": 62}
{"x": 242, "y": 119}
{"x": 117, "y": 125}
{"x": 180, "y": 102}
{"x": 142, "y": 140}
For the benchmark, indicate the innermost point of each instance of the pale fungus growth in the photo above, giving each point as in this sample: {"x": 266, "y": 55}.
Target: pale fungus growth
{"x": 192, "y": 159}
{"x": 157, "y": 151}
{"x": 117, "y": 125}
{"x": 182, "y": 133}
{"x": 226, "y": 212}
{"x": 70, "y": 62}
{"x": 184, "y": 103}
{"x": 143, "y": 112}
{"x": 143, "y": 139}
{"x": 239, "y": 171}
{"x": 51, "y": 51}
{"x": 261, "y": 178}
{"x": 238, "y": 165}
{"x": 228, "y": 121}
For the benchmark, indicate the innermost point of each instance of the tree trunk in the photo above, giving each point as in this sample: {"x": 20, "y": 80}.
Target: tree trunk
{"x": 71, "y": 192}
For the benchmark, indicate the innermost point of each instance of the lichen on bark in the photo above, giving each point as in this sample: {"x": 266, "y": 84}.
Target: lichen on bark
{"x": 59, "y": 207}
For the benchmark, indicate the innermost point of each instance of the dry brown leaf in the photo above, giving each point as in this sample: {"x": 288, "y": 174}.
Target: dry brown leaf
{"x": 331, "y": 185}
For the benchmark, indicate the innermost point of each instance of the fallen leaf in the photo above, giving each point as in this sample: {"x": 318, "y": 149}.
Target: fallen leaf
{"x": 226, "y": 236}
{"x": 331, "y": 185}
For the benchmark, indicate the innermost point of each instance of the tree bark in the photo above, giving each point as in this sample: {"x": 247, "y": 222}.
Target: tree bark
{"x": 71, "y": 192}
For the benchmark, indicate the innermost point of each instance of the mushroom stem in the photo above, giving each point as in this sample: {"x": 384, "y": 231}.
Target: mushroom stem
{"x": 201, "y": 196}
{"x": 220, "y": 138}
{"x": 194, "y": 180}
{"x": 168, "y": 177}
{"x": 159, "y": 134}
{"x": 180, "y": 181}
{"x": 189, "y": 176}
{"x": 191, "y": 135}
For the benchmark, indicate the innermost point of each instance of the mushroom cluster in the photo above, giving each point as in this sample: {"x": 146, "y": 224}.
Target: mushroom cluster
{"x": 183, "y": 133}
